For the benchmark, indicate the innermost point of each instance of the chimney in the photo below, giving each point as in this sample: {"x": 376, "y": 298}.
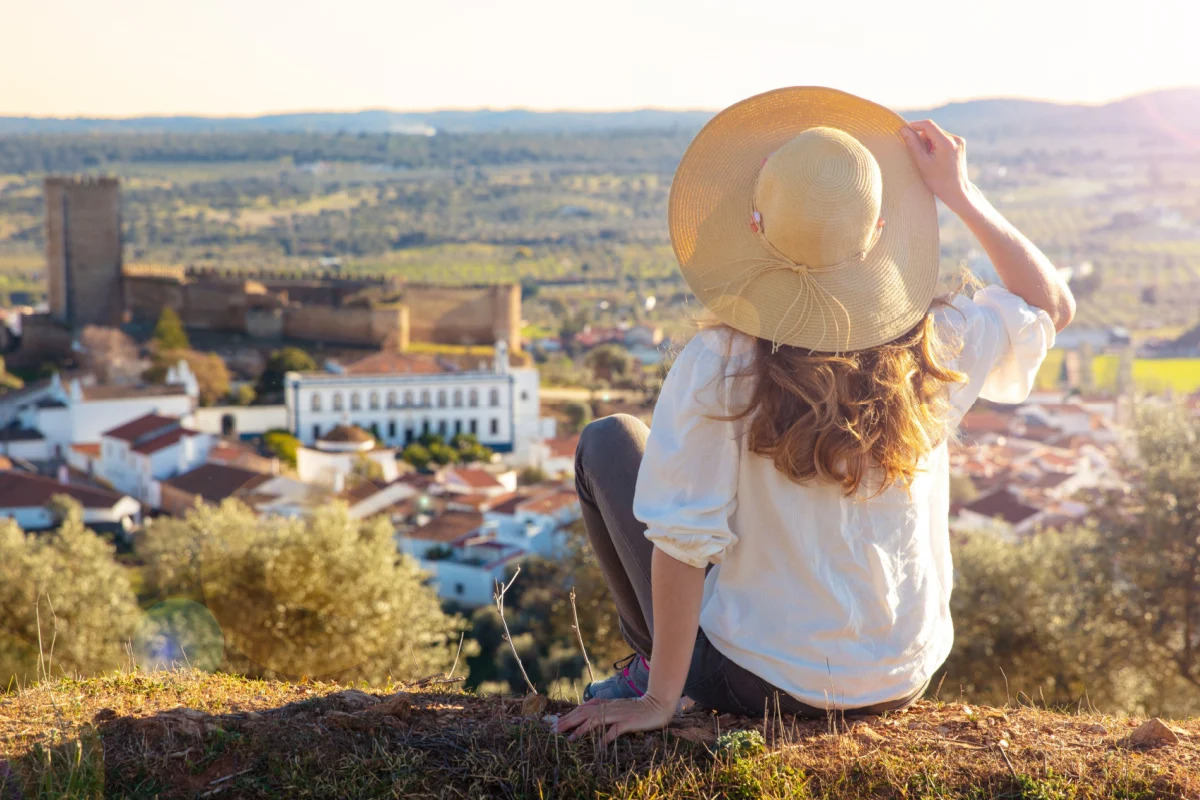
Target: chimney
{"x": 63, "y": 475}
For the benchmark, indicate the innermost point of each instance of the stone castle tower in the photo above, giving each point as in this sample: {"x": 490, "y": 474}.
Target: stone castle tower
{"x": 83, "y": 251}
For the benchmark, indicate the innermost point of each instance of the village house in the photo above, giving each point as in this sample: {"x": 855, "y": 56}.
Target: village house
{"x": 135, "y": 456}
{"x": 342, "y": 453}
{"x": 25, "y": 499}
{"x": 42, "y": 422}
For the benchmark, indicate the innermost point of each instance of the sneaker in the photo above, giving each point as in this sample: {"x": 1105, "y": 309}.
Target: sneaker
{"x": 630, "y": 680}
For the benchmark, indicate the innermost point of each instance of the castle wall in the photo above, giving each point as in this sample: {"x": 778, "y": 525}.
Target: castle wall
{"x": 43, "y": 338}
{"x": 262, "y": 309}
{"x": 83, "y": 250}
{"x": 465, "y": 315}
{"x": 374, "y": 327}
{"x": 147, "y": 295}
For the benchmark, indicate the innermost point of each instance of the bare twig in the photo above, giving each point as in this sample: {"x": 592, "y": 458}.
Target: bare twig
{"x": 1011, "y": 768}
{"x": 579, "y": 636}
{"x": 454, "y": 666}
{"x": 500, "y": 592}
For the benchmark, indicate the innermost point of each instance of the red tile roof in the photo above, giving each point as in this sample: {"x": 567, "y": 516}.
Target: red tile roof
{"x": 87, "y": 448}
{"x": 111, "y": 392}
{"x": 215, "y": 482}
{"x": 388, "y": 362}
{"x": 165, "y": 440}
{"x": 1004, "y": 504}
{"x": 507, "y": 504}
{"x": 985, "y": 421}
{"x": 551, "y": 502}
{"x": 563, "y": 446}
{"x": 448, "y": 527}
{"x": 476, "y": 478}
{"x": 143, "y": 426}
{"x": 26, "y": 490}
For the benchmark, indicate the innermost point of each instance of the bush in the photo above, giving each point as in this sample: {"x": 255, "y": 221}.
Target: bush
{"x": 69, "y": 579}
{"x": 326, "y": 597}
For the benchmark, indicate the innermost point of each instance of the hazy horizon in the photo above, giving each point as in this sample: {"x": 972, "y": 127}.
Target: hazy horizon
{"x": 128, "y": 58}
{"x": 431, "y": 110}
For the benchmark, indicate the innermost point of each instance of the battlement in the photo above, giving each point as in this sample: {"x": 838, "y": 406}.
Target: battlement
{"x": 82, "y": 182}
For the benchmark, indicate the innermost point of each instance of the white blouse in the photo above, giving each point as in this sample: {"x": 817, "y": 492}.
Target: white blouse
{"x": 841, "y": 602}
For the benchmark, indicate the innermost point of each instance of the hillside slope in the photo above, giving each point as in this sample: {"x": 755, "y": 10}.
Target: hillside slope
{"x": 191, "y": 734}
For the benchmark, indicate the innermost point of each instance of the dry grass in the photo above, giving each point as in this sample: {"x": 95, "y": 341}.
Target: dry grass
{"x": 191, "y": 734}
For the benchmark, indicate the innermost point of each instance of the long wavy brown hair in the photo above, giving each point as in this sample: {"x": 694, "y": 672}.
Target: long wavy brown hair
{"x": 842, "y": 416}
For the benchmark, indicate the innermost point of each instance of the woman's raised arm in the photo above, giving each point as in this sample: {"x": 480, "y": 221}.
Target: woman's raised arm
{"x": 1026, "y": 272}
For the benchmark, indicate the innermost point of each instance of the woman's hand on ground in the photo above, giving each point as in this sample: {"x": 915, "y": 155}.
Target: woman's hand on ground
{"x": 616, "y": 717}
{"x": 941, "y": 159}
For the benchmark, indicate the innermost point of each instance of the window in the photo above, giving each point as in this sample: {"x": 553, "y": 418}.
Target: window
{"x": 408, "y": 398}
{"x": 424, "y": 427}
{"x": 355, "y": 401}
{"x": 524, "y": 396}
{"x": 458, "y": 398}
{"x": 494, "y": 398}
{"x": 457, "y": 426}
{"x": 409, "y": 435}
{"x": 337, "y": 401}
{"x": 425, "y": 398}
{"x": 391, "y": 399}
{"x": 316, "y": 402}
{"x": 373, "y": 401}
{"x": 391, "y": 429}
{"x": 442, "y": 428}
{"x": 474, "y": 427}
{"x": 316, "y": 431}
{"x": 441, "y": 398}
{"x": 473, "y": 398}
{"x": 495, "y": 427}
{"x": 459, "y": 588}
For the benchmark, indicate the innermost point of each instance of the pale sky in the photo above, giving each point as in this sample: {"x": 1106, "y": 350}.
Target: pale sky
{"x": 132, "y": 57}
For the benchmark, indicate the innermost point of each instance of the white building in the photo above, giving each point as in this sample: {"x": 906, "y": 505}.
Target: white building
{"x": 136, "y": 455}
{"x": 400, "y": 396}
{"x": 341, "y": 452}
{"x": 78, "y": 410}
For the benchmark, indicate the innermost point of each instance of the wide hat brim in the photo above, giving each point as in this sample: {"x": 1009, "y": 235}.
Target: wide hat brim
{"x": 851, "y": 306}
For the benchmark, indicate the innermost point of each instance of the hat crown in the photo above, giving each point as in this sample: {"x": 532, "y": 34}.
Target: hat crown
{"x": 819, "y": 198}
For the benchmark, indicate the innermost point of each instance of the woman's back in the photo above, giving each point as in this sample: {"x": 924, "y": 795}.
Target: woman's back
{"x": 840, "y": 601}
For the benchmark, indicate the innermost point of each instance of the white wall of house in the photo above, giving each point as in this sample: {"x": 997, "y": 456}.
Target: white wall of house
{"x": 39, "y": 517}
{"x": 465, "y": 583}
{"x": 29, "y": 449}
{"x": 247, "y": 420}
{"x": 137, "y": 474}
{"x": 333, "y": 469}
{"x": 385, "y": 497}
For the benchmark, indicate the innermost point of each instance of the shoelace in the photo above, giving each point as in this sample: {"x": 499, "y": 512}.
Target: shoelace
{"x": 624, "y": 664}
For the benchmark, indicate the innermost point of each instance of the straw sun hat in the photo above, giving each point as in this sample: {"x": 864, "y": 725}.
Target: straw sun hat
{"x": 799, "y": 217}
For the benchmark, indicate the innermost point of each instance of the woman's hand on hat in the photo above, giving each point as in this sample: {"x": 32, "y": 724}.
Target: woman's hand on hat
{"x": 941, "y": 159}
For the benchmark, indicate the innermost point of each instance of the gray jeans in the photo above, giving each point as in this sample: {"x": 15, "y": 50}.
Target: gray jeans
{"x": 606, "y": 466}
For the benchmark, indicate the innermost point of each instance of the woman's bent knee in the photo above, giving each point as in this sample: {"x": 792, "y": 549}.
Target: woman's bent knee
{"x": 615, "y": 436}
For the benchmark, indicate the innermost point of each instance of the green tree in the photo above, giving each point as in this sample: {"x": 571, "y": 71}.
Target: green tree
{"x": 1030, "y": 623}
{"x": 84, "y": 600}
{"x": 279, "y": 363}
{"x": 282, "y": 444}
{"x": 416, "y": 454}
{"x": 578, "y": 416}
{"x": 169, "y": 333}
{"x": 326, "y": 596}
{"x": 610, "y": 362}
{"x": 1153, "y": 540}
{"x": 442, "y": 453}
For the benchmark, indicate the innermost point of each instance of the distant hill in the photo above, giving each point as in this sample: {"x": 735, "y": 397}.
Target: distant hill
{"x": 1173, "y": 111}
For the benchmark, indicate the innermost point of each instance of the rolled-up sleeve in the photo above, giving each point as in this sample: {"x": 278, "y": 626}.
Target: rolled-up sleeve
{"x": 687, "y": 484}
{"x": 1028, "y": 334}
{"x": 1004, "y": 342}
